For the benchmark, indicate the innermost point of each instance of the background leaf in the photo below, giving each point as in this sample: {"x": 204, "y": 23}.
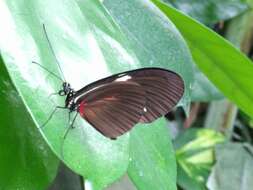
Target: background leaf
{"x": 203, "y": 90}
{"x": 153, "y": 38}
{"x": 26, "y": 162}
{"x": 233, "y": 167}
{"x": 224, "y": 65}
{"x": 210, "y": 11}
{"x": 195, "y": 158}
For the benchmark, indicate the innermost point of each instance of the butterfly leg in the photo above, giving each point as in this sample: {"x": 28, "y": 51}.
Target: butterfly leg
{"x": 51, "y": 115}
{"x": 50, "y": 96}
{"x": 73, "y": 121}
{"x": 71, "y": 126}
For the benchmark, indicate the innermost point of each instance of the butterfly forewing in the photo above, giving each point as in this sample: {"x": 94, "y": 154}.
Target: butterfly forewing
{"x": 163, "y": 91}
{"x": 113, "y": 108}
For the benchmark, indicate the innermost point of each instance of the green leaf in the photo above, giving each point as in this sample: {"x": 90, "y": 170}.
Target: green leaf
{"x": 89, "y": 46}
{"x": 100, "y": 160}
{"x": 223, "y": 64}
{"x": 154, "y": 39}
{"x": 210, "y": 11}
{"x": 233, "y": 167}
{"x": 156, "y": 43}
{"x": 152, "y": 157}
{"x": 203, "y": 90}
{"x": 26, "y": 161}
{"x": 194, "y": 154}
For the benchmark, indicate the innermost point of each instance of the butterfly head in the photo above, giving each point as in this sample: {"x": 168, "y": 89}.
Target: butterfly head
{"x": 66, "y": 89}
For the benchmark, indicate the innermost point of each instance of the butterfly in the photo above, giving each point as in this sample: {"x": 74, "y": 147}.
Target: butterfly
{"x": 114, "y": 105}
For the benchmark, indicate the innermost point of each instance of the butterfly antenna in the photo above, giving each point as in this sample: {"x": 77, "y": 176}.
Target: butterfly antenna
{"x": 56, "y": 76}
{"x": 51, "y": 47}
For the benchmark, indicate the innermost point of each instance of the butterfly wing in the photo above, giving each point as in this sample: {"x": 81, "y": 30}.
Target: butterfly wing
{"x": 142, "y": 95}
{"x": 163, "y": 91}
{"x": 113, "y": 108}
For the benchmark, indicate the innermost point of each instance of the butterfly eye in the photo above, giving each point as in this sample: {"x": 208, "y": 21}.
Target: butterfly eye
{"x": 62, "y": 93}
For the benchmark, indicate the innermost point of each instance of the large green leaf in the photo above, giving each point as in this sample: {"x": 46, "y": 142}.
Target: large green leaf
{"x": 202, "y": 89}
{"x": 89, "y": 46}
{"x": 210, "y": 11}
{"x": 154, "y": 39}
{"x": 233, "y": 169}
{"x": 22, "y": 41}
{"x": 195, "y": 158}
{"x": 26, "y": 161}
{"x": 153, "y": 164}
{"x": 155, "y": 42}
{"x": 223, "y": 64}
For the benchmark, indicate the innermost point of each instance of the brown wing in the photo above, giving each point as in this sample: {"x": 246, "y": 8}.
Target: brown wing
{"x": 163, "y": 91}
{"x": 113, "y": 108}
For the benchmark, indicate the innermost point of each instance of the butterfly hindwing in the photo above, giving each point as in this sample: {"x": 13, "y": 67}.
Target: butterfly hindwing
{"x": 113, "y": 108}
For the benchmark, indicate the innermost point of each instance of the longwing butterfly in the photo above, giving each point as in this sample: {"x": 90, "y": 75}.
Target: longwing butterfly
{"x": 115, "y": 104}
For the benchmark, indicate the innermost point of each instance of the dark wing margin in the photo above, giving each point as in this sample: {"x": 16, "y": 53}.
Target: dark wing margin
{"x": 113, "y": 108}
